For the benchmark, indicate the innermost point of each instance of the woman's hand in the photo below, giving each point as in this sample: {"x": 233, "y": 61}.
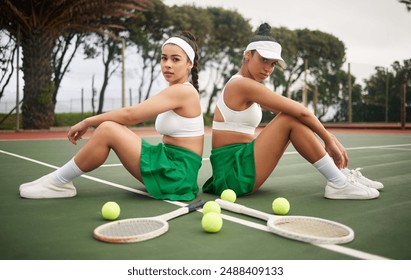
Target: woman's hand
{"x": 338, "y": 153}
{"x": 77, "y": 131}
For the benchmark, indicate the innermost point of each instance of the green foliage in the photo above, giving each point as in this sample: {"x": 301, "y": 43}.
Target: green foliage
{"x": 383, "y": 89}
{"x": 323, "y": 54}
{"x": 40, "y": 23}
{"x": 69, "y": 119}
{"x": 44, "y": 98}
{"x": 9, "y": 122}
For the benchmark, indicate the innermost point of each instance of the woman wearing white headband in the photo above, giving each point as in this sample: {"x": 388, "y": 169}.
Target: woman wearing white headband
{"x": 243, "y": 162}
{"x": 168, "y": 170}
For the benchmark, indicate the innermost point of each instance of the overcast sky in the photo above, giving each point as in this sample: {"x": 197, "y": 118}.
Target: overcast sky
{"x": 374, "y": 32}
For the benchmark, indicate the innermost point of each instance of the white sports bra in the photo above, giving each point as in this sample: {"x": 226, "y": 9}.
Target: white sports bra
{"x": 244, "y": 121}
{"x": 171, "y": 124}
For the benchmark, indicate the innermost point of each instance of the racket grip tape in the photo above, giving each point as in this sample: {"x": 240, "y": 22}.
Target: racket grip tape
{"x": 195, "y": 205}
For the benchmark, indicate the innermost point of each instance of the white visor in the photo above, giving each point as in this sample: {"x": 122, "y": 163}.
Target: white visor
{"x": 268, "y": 49}
{"x": 182, "y": 44}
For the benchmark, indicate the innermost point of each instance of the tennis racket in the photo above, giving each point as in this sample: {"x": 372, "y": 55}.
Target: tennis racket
{"x": 140, "y": 229}
{"x": 302, "y": 228}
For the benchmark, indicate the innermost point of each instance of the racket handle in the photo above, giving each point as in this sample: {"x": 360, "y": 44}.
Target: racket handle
{"x": 237, "y": 208}
{"x": 182, "y": 210}
{"x": 195, "y": 205}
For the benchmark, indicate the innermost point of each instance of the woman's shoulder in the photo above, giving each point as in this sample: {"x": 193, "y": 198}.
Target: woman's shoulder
{"x": 184, "y": 92}
{"x": 240, "y": 83}
{"x": 181, "y": 89}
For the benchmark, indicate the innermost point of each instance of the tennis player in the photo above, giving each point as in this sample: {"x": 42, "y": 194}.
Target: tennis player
{"x": 168, "y": 170}
{"x": 243, "y": 162}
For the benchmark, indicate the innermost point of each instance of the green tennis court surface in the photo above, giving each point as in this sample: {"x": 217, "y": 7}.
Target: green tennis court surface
{"x": 61, "y": 229}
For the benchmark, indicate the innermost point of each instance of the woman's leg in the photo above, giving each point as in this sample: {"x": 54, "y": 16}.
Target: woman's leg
{"x": 273, "y": 140}
{"x": 271, "y": 143}
{"x": 110, "y": 135}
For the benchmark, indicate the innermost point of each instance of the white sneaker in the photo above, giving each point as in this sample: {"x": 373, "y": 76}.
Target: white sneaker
{"x": 362, "y": 179}
{"x": 351, "y": 190}
{"x": 32, "y": 183}
{"x": 45, "y": 187}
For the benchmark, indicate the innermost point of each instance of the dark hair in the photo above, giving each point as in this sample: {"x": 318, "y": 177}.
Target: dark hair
{"x": 192, "y": 41}
{"x": 263, "y": 33}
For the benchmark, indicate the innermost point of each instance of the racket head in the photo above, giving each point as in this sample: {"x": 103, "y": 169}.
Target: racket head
{"x": 131, "y": 230}
{"x": 310, "y": 229}
{"x": 140, "y": 229}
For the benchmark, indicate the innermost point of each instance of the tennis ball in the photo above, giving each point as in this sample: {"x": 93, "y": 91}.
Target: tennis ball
{"x": 281, "y": 206}
{"x": 212, "y": 222}
{"x": 211, "y": 206}
{"x": 110, "y": 210}
{"x": 229, "y": 195}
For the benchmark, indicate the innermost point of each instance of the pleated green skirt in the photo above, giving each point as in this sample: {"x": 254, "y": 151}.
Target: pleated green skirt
{"x": 233, "y": 168}
{"x": 170, "y": 172}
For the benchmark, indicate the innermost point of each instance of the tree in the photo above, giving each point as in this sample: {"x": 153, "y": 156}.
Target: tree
{"x": 7, "y": 55}
{"x": 223, "y": 52}
{"x": 288, "y": 40}
{"x": 41, "y": 22}
{"x": 401, "y": 78}
{"x": 147, "y": 33}
{"x": 340, "y": 83}
{"x": 407, "y": 3}
{"x": 319, "y": 55}
{"x": 375, "y": 97}
{"x": 110, "y": 51}
{"x": 62, "y": 56}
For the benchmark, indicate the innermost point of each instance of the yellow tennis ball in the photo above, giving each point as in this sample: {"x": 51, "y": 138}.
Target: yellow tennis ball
{"x": 110, "y": 210}
{"x": 229, "y": 195}
{"x": 212, "y": 222}
{"x": 281, "y": 206}
{"x": 211, "y": 206}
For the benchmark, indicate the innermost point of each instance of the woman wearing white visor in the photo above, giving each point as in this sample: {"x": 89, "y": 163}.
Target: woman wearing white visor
{"x": 243, "y": 162}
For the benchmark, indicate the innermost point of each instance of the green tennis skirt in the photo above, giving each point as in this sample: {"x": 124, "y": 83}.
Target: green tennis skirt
{"x": 169, "y": 172}
{"x": 233, "y": 168}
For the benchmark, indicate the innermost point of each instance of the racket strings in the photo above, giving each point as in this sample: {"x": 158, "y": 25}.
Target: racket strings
{"x": 131, "y": 228}
{"x": 312, "y": 227}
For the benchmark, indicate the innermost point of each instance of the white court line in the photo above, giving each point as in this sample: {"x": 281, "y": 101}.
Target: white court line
{"x": 336, "y": 248}
{"x": 112, "y": 165}
{"x": 378, "y": 147}
{"x": 395, "y": 149}
{"x": 388, "y": 147}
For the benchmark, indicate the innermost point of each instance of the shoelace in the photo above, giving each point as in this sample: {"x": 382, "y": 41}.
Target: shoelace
{"x": 351, "y": 178}
{"x": 356, "y": 172}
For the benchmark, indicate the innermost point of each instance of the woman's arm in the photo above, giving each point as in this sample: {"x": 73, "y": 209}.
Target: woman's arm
{"x": 252, "y": 91}
{"x": 171, "y": 98}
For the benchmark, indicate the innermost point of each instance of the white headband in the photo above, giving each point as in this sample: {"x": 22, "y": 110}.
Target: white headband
{"x": 268, "y": 49}
{"x": 182, "y": 44}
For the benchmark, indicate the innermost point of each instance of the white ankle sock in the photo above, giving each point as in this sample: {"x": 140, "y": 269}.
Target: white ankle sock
{"x": 330, "y": 171}
{"x": 67, "y": 172}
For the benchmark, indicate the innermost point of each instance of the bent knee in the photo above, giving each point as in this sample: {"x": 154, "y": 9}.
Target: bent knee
{"x": 286, "y": 121}
{"x": 108, "y": 126}
{"x": 285, "y": 118}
